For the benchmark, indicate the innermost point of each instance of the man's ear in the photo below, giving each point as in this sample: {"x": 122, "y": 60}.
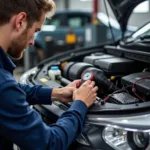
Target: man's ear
{"x": 20, "y": 21}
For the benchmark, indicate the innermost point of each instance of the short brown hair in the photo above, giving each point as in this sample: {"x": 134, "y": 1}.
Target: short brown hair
{"x": 33, "y": 9}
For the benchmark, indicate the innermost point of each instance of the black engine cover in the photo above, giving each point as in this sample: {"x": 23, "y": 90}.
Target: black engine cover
{"x": 91, "y": 59}
{"x": 142, "y": 86}
{"x": 116, "y": 65}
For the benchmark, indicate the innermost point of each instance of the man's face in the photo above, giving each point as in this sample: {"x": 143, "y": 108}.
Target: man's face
{"x": 24, "y": 40}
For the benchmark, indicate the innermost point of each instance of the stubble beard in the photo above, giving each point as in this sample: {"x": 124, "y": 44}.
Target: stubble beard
{"x": 18, "y": 45}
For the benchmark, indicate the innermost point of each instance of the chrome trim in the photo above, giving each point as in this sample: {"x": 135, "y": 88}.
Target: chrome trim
{"x": 137, "y": 123}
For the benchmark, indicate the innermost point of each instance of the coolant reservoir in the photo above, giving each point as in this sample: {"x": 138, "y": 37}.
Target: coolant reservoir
{"x": 54, "y": 73}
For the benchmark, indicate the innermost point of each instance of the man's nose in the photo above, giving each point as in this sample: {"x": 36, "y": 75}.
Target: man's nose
{"x": 31, "y": 42}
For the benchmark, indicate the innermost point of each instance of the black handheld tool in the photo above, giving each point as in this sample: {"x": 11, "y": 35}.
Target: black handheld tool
{"x": 98, "y": 76}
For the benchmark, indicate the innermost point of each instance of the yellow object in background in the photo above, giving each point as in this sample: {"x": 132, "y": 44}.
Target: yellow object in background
{"x": 112, "y": 78}
{"x": 63, "y": 65}
{"x": 95, "y": 22}
{"x": 71, "y": 39}
{"x": 43, "y": 80}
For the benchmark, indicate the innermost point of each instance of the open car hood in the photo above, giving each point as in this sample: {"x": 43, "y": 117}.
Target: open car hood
{"x": 122, "y": 10}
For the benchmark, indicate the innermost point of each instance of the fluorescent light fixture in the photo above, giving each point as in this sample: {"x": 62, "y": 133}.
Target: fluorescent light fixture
{"x": 84, "y": 0}
{"x": 48, "y": 28}
{"x": 105, "y": 20}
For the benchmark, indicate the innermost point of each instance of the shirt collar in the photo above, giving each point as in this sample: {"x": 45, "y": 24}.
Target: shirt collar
{"x": 5, "y": 62}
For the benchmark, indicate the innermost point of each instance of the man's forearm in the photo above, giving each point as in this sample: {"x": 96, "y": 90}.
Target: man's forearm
{"x": 28, "y": 121}
{"x": 37, "y": 94}
{"x": 56, "y": 94}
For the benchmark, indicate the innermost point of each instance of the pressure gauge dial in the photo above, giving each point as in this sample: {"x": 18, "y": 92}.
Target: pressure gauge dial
{"x": 87, "y": 75}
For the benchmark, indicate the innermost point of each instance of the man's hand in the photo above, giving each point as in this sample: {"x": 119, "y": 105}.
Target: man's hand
{"x": 75, "y": 83}
{"x": 65, "y": 94}
{"x": 86, "y": 93}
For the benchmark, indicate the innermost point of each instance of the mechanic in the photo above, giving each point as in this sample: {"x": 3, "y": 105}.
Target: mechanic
{"x": 19, "y": 124}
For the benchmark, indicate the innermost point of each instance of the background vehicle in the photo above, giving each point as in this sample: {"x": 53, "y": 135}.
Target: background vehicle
{"x": 58, "y": 26}
{"x": 52, "y": 38}
{"x": 120, "y": 118}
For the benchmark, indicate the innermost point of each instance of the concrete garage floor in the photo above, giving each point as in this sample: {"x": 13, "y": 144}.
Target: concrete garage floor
{"x": 18, "y": 73}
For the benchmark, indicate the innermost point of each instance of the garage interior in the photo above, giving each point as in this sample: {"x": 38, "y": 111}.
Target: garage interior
{"x": 84, "y": 40}
{"x": 141, "y": 12}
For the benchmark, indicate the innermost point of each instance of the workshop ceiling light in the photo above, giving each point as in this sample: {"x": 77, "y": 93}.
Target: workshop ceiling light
{"x": 85, "y": 0}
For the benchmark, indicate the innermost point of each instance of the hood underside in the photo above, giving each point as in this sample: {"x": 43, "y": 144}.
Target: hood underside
{"x": 123, "y": 9}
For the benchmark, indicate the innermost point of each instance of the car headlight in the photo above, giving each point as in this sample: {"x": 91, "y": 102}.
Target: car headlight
{"x": 138, "y": 140}
{"x": 111, "y": 138}
{"x": 126, "y": 140}
{"x": 117, "y": 133}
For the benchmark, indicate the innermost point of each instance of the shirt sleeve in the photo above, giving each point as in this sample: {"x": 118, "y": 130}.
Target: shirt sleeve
{"x": 37, "y": 94}
{"x": 24, "y": 126}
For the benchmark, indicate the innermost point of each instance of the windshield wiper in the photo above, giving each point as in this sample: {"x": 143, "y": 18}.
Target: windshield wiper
{"x": 139, "y": 39}
{"x": 144, "y": 37}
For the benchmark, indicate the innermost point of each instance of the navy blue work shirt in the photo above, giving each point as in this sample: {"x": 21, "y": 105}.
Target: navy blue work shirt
{"x": 22, "y": 125}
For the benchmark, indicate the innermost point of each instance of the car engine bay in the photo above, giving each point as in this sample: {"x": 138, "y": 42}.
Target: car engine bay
{"x": 123, "y": 78}
{"x": 119, "y": 118}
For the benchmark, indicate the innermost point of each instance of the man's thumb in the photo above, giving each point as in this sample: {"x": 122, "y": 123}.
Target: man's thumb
{"x": 73, "y": 88}
{"x": 72, "y": 84}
